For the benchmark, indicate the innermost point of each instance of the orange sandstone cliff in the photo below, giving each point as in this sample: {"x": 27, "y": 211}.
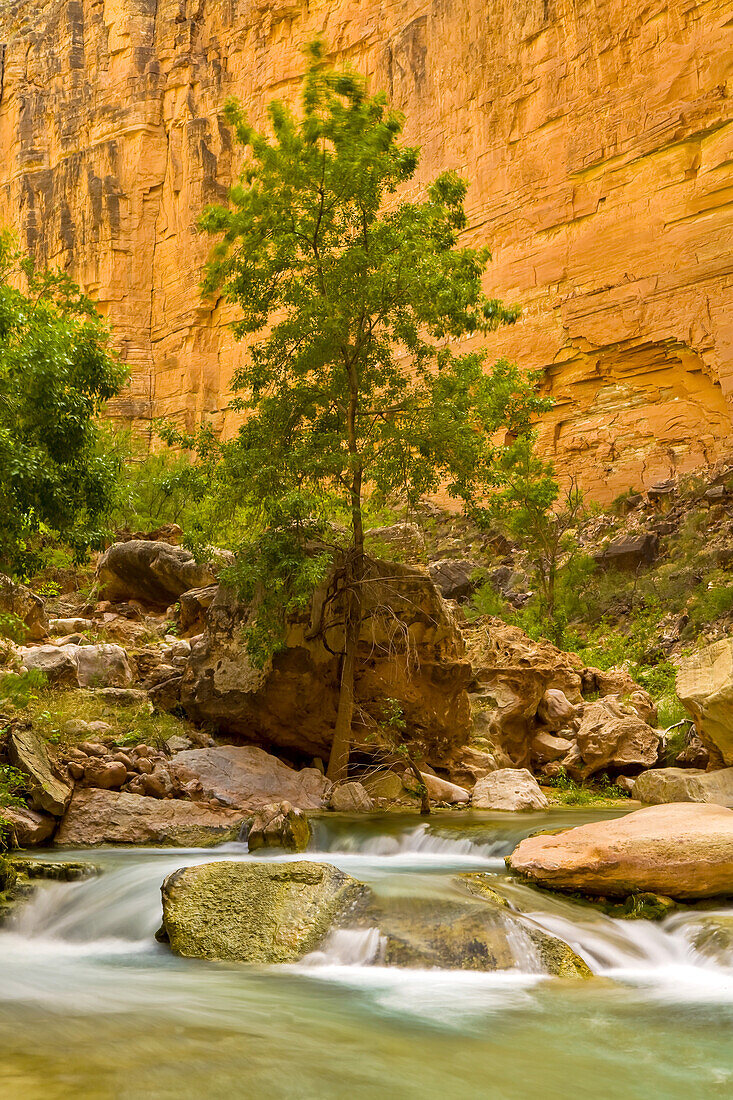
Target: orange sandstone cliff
{"x": 597, "y": 137}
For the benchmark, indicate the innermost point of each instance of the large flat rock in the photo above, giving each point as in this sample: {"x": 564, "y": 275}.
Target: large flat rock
{"x": 112, "y": 817}
{"x": 683, "y": 850}
{"x": 254, "y": 912}
{"x": 247, "y": 777}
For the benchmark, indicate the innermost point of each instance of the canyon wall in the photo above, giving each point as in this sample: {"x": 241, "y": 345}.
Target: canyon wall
{"x": 597, "y": 136}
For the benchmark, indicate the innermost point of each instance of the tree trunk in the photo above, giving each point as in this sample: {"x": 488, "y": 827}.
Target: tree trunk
{"x": 338, "y": 763}
{"x": 422, "y": 788}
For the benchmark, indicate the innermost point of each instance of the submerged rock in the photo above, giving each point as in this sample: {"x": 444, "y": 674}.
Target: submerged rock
{"x": 247, "y": 777}
{"x": 254, "y": 912}
{"x": 509, "y": 789}
{"x": 467, "y": 933}
{"x": 279, "y": 826}
{"x": 112, "y": 817}
{"x": 682, "y": 850}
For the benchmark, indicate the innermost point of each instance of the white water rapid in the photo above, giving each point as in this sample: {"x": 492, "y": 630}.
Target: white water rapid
{"x": 92, "y": 1007}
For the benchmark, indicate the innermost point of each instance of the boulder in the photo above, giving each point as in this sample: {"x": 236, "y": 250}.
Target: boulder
{"x": 57, "y": 664}
{"x": 629, "y": 552}
{"x": 101, "y": 665}
{"x": 71, "y": 665}
{"x": 122, "y": 697}
{"x": 683, "y": 850}
{"x": 611, "y": 735}
{"x": 555, "y": 709}
{"x": 154, "y": 573}
{"x": 178, "y": 743}
{"x": 247, "y": 777}
{"x": 384, "y": 784}
{"x": 508, "y": 789}
{"x": 659, "y": 785}
{"x": 107, "y": 774}
{"x": 705, "y": 687}
{"x": 455, "y": 578}
{"x": 279, "y": 826}
{"x": 29, "y": 752}
{"x": 469, "y": 764}
{"x": 410, "y": 650}
{"x": 404, "y": 539}
{"x": 350, "y": 798}
{"x": 440, "y": 790}
{"x": 167, "y": 695}
{"x": 466, "y": 933}
{"x": 60, "y": 627}
{"x": 29, "y": 827}
{"x": 694, "y": 754}
{"x": 254, "y": 912}
{"x": 113, "y": 817}
{"x": 17, "y": 599}
{"x": 547, "y": 747}
{"x": 194, "y": 605}
{"x": 513, "y": 674}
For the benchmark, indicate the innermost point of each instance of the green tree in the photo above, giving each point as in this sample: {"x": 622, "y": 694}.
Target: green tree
{"x": 56, "y": 371}
{"x": 351, "y": 298}
{"x": 531, "y": 508}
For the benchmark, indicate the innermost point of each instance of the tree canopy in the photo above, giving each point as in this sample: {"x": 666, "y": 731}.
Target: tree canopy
{"x": 353, "y": 299}
{"x": 56, "y": 372}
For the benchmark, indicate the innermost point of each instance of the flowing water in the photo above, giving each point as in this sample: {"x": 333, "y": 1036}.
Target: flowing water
{"x": 92, "y": 1007}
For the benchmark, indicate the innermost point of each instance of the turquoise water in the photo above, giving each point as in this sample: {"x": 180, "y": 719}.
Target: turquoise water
{"x": 92, "y": 1007}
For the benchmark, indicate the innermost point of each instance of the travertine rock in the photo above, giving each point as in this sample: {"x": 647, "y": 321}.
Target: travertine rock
{"x": 596, "y": 141}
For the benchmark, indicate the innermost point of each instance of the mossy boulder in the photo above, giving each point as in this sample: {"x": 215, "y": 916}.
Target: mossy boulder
{"x": 479, "y": 932}
{"x": 254, "y": 912}
{"x": 279, "y": 826}
{"x": 7, "y": 875}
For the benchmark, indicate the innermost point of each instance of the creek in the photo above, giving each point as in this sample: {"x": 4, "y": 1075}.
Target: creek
{"x": 92, "y": 1008}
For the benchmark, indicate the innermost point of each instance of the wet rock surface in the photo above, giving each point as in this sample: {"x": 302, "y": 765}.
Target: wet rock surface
{"x": 256, "y": 912}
